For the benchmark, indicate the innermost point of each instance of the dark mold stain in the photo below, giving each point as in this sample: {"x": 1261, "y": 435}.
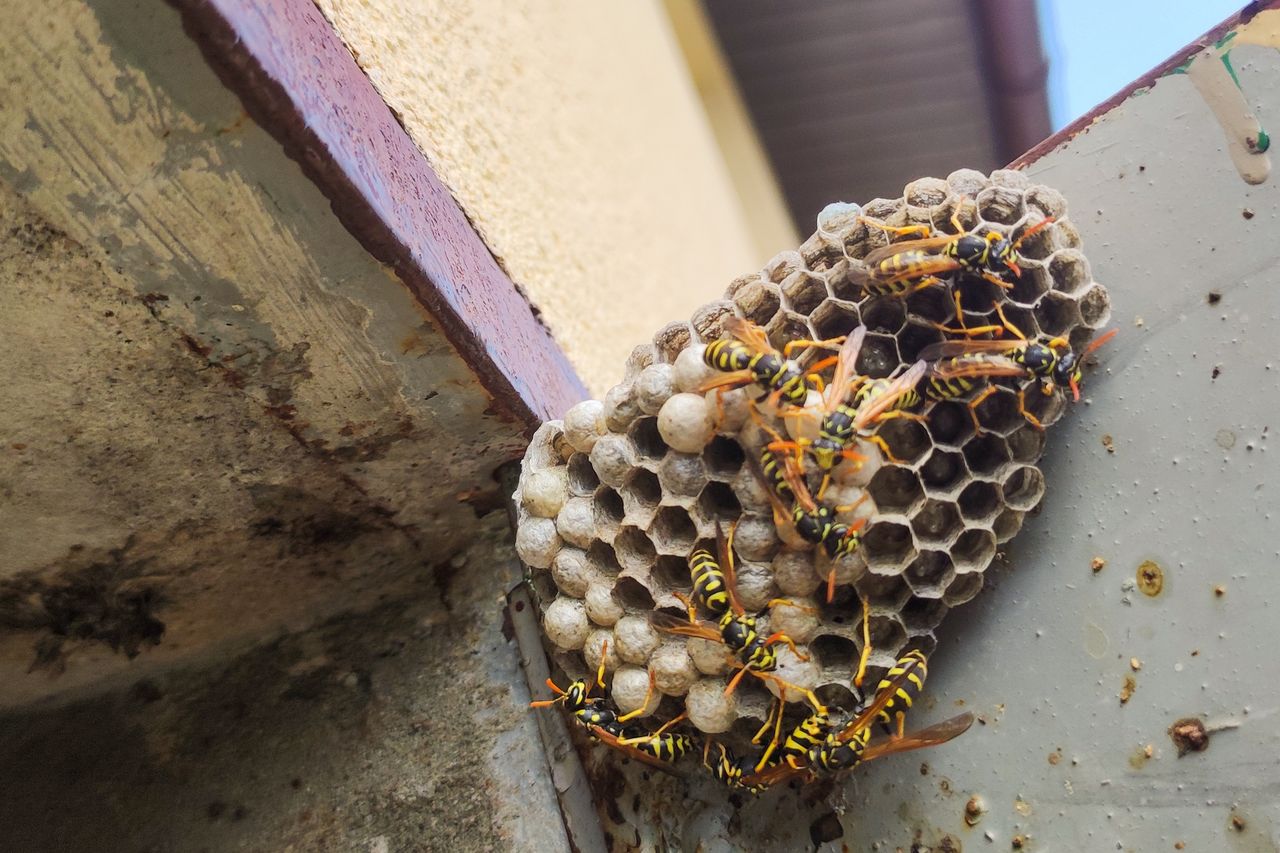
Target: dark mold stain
{"x": 93, "y": 598}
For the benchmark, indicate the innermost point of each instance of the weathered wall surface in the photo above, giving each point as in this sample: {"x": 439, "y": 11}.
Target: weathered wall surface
{"x": 401, "y": 730}
{"x": 574, "y": 139}
{"x": 221, "y": 418}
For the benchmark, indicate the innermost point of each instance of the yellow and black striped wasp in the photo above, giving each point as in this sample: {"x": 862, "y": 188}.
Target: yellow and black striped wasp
{"x": 957, "y": 363}
{"x": 812, "y": 521}
{"x": 902, "y": 268}
{"x": 728, "y": 768}
{"x": 608, "y": 726}
{"x": 836, "y": 427}
{"x": 746, "y": 356}
{"x": 736, "y": 629}
{"x": 851, "y": 745}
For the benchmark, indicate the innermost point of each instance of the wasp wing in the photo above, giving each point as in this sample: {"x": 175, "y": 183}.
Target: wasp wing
{"x": 844, "y": 375}
{"x": 869, "y": 412}
{"x": 675, "y": 625}
{"x": 611, "y": 740}
{"x": 748, "y": 333}
{"x": 958, "y": 368}
{"x": 928, "y": 245}
{"x": 931, "y": 736}
{"x": 947, "y": 349}
{"x": 724, "y": 547}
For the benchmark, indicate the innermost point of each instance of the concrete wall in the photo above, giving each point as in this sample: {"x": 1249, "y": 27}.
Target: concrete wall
{"x": 222, "y": 419}
{"x": 574, "y": 138}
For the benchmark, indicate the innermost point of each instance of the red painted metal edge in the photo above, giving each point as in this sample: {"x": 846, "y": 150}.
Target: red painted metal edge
{"x": 298, "y": 81}
{"x": 1146, "y": 80}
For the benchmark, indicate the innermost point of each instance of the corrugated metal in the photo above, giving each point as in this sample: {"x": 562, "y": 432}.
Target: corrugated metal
{"x": 854, "y": 98}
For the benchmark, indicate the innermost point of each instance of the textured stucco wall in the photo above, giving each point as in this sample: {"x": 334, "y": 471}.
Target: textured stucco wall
{"x": 574, "y": 139}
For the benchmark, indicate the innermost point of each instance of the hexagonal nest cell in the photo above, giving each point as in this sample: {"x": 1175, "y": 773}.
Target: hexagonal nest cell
{"x": 613, "y": 499}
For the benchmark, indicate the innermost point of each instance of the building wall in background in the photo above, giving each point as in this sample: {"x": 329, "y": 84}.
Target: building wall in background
{"x": 576, "y": 141}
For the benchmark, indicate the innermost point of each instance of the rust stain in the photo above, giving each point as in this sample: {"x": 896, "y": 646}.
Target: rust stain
{"x": 1126, "y": 692}
{"x": 1150, "y": 578}
{"x": 414, "y": 344}
{"x": 1189, "y": 735}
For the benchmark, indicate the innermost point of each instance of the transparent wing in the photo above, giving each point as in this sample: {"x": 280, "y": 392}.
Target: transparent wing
{"x": 845, "y": 361}
{"x": 946, "y": 349}
{"x": 995, "y": 366}
{"x": 869, "y": 412}
{"x": 931, "y": 736}
{"x": 748, "y": 333}
{"x": 675, "y": 625}
{"x": 925, "y": 244}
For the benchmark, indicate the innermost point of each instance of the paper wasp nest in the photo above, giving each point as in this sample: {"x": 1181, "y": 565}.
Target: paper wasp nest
{"x": 613, "y": 498}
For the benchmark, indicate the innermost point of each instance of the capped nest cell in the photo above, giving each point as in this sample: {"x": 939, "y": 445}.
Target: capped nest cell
{"x": 613, "y": 499}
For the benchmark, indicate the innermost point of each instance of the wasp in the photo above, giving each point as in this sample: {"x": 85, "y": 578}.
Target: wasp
{"x": 851, "y": 745}
{"x": 729, "y": 769}
{"x": 608, "y": 726}
{"x": 746, "y": 356}
{"x": 836, "y": 427}
{"x": 736, "y": 629}
{"x": 900, "y": 269}
{"x": 813, "y": 522}
{"x": 1051, "y": 361}
{"x": 807, "y": 734}
{"x": 892, "y": 717}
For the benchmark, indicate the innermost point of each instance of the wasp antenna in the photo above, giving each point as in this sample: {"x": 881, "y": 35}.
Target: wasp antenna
{"x": 1099, "y": 341}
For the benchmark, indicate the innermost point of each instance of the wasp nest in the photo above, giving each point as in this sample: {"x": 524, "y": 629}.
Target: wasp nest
{"x": 614, "y": 498}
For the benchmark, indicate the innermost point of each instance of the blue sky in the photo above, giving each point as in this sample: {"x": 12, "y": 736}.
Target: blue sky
{"x": 1097, "y": 46}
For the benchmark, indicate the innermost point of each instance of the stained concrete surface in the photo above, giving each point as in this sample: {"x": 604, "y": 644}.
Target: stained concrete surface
{"x": 402, "y": 729}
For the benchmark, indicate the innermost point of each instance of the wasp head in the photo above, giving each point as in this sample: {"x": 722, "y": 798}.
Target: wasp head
{"x": 824, "y": 452}
{"x": 1068, "y": 372}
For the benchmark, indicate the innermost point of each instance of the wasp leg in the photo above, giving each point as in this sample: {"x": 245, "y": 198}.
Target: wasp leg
{"x": 786, "y": 602}
{"x": 973, "y": 408}
{"x": 901, "y": 413}
{"x": 996, "y": 280}
{"x": 901, "y": 231}
{"x": 733, "y": 682}
{"x": 1022, "y": 409}
{"x": 688, "y": 605}
{"x": 795, "y": 448}
{"x": 963, "y": 330}
{"x": 631, "y": 741}
{"x": 927, "y": 281}
{"x": 866, "y": 644}
{"x": 829, "y": 343}
{"x": 779, "y": 637}
{"x": 884, "y": 448}
{"x": 773, "y": 742}
{"x": 1014, "y": 330}
{"x": 547, "y": 703}
{"x": 648, "y": 694}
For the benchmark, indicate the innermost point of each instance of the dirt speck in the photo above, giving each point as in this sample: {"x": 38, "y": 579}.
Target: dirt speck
{"x": 1018, "y": 842}
{"x": 1097, "y": 564}
{"x": 1108, "y": 443}
{"x": 973, "y": 810}
{"x": 1237, "y": 822}
{"x": 1055, "y": 756}
{"x": 1214, "y": 297}
{"x": 1216, "y": 372}
{"x": 1126, "y": 692}
{"x": 1247, "y": 213}
{"x": 1219, "y": 590}
{"x": 1150, "y": 578}
{"x": 1135, "y": 664}
{"x": 1189, "y": 735}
